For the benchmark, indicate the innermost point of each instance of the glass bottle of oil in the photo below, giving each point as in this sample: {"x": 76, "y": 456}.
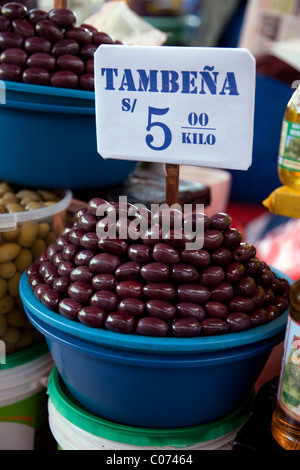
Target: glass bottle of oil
{"x": 285, "y": 425}
{"x": 289, "y": 148}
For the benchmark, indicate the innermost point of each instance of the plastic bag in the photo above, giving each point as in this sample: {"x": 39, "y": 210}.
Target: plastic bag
{"x": 119, "y": 21}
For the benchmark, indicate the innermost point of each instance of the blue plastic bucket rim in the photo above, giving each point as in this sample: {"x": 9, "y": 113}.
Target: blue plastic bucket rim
{"x": 150, "y": 344}
{"x": 49, "y": 90}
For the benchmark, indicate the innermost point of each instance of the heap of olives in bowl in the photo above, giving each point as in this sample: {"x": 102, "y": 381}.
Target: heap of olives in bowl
{"x": 48, "y": 48}
{"x": 152, "y": 284}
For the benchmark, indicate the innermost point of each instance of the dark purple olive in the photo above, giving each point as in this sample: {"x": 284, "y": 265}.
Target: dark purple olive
{"x": 32, "y": 269}
{"x": 36, "y": 14}
{"x": 89, "y": 27}
{"x": 65, "y": 268}
{"x": 164, "y": 253}
{"x": 35, "y": 280}
{"x": 5, "y": 24}
{"x": 63, "y": 240}
{"x": 128, "y": 271}
{"x": 234, "y": 271}
{"x": 47, "y": 29}
{"x": 44, "y": 266}
{"x": 266, "y": 277}
{"x": 135, "y": 307}
{"x": 42, "y": 60}
{"x": 160, "y": 290}
{"x": 189, "y": 309}
{"x": 23, "y": 28}
{"x": 238, "y": 321}
{"x": 69, "y": 308}
{"x": 221, "y": 256}
{"x": 211, "y": 276}
{"x": 214, "y": 326}
{"x": 241, "y": 304}
{"x": 39, "y": 289}
{"x": 126, "y": 289}
{"x": 14, "y": 56}
{"x": 194, "y": 293}
{"x": 199, "y": 258}
{"x": 37, "y": 44}
{"x": 105, "y": 299}
{"x": 216, "y": 309}
{"x": 83, "y": 257}
{"x": 79, "y": 34}
{"x": 152, "y": 326}
{"x": 242, "y": 252}
{"x": 155, "y": 272}
{"x": 97, "y": 205}
{"x": 87, "y": 81}
{"x": 69, "y": 251}
{"x": 212, "y": 239}
{"x": 161, "y": 309}
{"x": 222, "y": 292}
{"x": 91, "y": 316}
{"x": 246, "y": 286}
{"x": 115, "y": 246}
{"x": 62, "y": 17}
{"x": 11, "y": 72}
{"x": 61, "y": 284}
{"x": 269, "y": 295}
{"x": 186, "y": 328}
{"x": 184, "y": 273}
{"x": 10, "y": 40}
{"x": 104, "y": 282}
{"x": 220, "y": 221}
{"x": 71, "y": 63}
{"x": 259, "y": 296}
{"x": 81, "y": 273}
{"x": 50, "y": 274}
{"x": 120, "y": 322}
{"x": 65, "y": 47}
{"x": 52, "y": 249}
{"x": 277, "y": 287}
{"x": 89, "y": 241}
{"x": 75, "y": 236}
{"x": 180, "y": 238}
{"x": 101, "y": 38}
{"x": 87, "y": 221}
{"x": 36, "y": 76}
{"x": 281, "y": 303}
{"x": 50, "y": 298}
{"x": 64, "y": 79}
{"x": 87, "y": 51}
{"x": 196, "y": 222}
{"x": 253, "y": 266}
{"x": 43, "y": 257}
{"x": 232, "y": 237}
{"x": 104, "y": 263}
{"x": 272, "y": 311}
{"x": 139, "y": 253}
{"x": 80, "y": 291}
{"x": 259, "y": 317}
{"x": 152, "y": 236}
{"x": 14, "y": 10}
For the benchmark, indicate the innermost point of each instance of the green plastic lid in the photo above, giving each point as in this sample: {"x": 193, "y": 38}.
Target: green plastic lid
{"x": 73, "y": 412}
{"x": 23, "y": 356}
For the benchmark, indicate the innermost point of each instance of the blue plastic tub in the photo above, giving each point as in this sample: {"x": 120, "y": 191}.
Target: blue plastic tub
{"x": 154, "y": 382}
{"x": 48, "y": 139}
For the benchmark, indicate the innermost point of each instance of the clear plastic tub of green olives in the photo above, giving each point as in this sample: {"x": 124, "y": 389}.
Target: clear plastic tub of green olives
{"x": 30, "y": 220}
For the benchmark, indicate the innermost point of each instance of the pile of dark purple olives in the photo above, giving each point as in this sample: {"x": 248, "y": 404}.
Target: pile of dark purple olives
{"x": 43, "y": 48}
{"x": 154, "y": 285}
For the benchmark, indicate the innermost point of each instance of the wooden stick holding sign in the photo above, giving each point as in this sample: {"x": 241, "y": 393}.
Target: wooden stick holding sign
{"x": 60, "y": 3}
{"x": 172, "y": 183}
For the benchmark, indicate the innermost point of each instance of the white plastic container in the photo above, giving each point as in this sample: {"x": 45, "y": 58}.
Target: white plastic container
{"x": 23, "y": 397}
{"x": 24, "y": 235}
{"x": 74, "y": 428}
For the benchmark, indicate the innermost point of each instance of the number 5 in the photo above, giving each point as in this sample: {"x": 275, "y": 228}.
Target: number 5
{"x": 164, "y": 127}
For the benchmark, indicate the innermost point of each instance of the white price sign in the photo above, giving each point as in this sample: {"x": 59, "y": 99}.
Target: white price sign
{"x": 181, "y": 105}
